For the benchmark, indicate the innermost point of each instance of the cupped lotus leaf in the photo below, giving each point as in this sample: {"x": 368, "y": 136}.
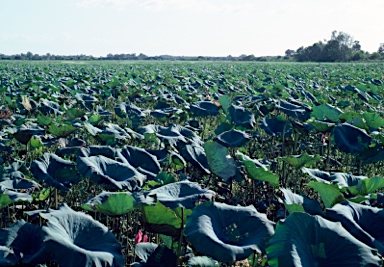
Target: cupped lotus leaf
{"x": 124, "y": 110}
{"x": 95, "y": 119}
{"x": 94, "y": 131}
{"x": 55, "y": 171}
{"x": 106, "y": 151}
{"x": 196, "y": 156}
{"x": 294, "y": 202}
{"x": 152, "y": 254}
{"x": 170, "y": 135}
{"x": 223, "y": 127}
{"x": 20, "y": 183}
{"x": 258, "y": 173}
{"x": 49, "y": 107}
{"x": 140, "y": 158}
{"x": 242, "y": 117}
{"x": 61, "y": 131}
{"x": 181, "y": 194}
{"x": 8, "y": 197}
{"x": 115, "y": 130}
{"x": 342, "y": 179}
{"x": 292, "y": 110}
{"x": 228, "y": 233}
{"x": 276, "y": 126}
{"x": 298, "y": 161}
{"x": 163, "y": 220}
{"x": 328, "y": 193}
{"x": 219, "y": 160}
{"x": 326, "y": 112}
{"x": 350, "y": 139}
{"x": 25, "y": 240}
{"x": 117, "y": 203}
{"x": 26, "y": 131}
{"x": 202, "y": 261}
{"x": 305, "y": 240}
{"x": 232, "y": 138}
{"x": 103, "y": 170}
{"x": 363, "y": 222}
{"x": 204, "y": 108}
{"x": 76, "y": 239}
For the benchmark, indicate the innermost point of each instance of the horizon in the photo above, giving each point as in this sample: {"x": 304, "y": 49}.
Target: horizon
{"x": 209, "y": 28}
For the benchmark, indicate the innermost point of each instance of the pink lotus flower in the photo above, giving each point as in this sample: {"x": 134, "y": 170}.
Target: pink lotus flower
{"x": 140, "y": 237}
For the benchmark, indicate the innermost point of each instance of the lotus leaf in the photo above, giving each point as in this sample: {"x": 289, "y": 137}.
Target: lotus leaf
{"x": 76, "y": 239}
{"x": 101, "y": 169}
{"x": 55, "y": 171}
{"x": 305, "y": 240}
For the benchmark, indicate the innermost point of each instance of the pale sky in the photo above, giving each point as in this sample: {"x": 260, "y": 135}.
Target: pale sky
{"x": 183, "y": 27}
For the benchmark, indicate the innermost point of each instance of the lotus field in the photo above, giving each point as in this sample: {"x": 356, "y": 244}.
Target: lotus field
{"x": 191, "y": 164}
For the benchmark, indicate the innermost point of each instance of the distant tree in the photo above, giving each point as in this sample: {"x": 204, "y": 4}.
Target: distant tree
{"x": 374, "y": 56}
{"x": 381, "y": 49}
{"x": 289, "y": 52}
{"x": 356, "y": 46}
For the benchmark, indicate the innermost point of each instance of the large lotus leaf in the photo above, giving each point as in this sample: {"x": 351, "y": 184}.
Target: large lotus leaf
{"x": 105, "y": 151}
{"x": 25, "y": 240}
{"x": 140, "y": 158}
{"x": 326, "y": 112}
{"x": 219, "y": 160}
{"x": 104, "y": 170}
{"x": 94, "y": 131}
{"x": 228, "y": 233}
{"x": 260, "y": 173}
{"x": 115, "y": 130}
{"x": 196, "y": 156}
{"x": 8, "y": 196}
{"x": 304, "y": 240}
{"x": 169, "y": 134}
{"x": 242, "y": 117}
{"x": 125, "y": 110}
{"x": 76, "y": 239}
{"x": 49, "y": 107}
{"x": 26, "y": 131}
{"x": 363, "y": 222}
{"x": 44, "y": 120}
{"x": 55, "y": 171}
{"x": 163, "y": 220}
{"x": 298, "y": 161}
{"x": 20, "y": 184}
{"x": 373, "y": 120}
{"x": 117, "y": 203}
{"x": 181, "y": 194}
{"x": 152, "y": 254}
{"x": 367, "y": 186}
{"x": 204, "y": 108}
{"x": 294, "y": 202}
{"x": 232, "y": 138}
{"x": 276, "y": 126}
{"x": 62, "y": 131}
{"x": 292, "y": 110}
{"x": 202, "y": 261}
{"x": 328, "y": 193}
{"x": 342, "y": 179}
{"x": 350, "y": 139}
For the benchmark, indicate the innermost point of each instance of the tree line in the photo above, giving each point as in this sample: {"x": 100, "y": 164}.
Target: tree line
{"x": 340, "y": 48}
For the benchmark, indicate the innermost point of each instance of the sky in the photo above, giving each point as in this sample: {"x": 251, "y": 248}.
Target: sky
{"x": 183, "y": 27}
